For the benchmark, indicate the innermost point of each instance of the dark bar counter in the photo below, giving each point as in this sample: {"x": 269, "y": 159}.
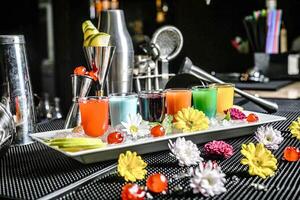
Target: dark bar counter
{"x": 35, "y": 171}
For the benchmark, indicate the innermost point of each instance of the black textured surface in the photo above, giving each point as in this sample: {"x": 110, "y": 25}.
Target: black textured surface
{"x": 32, "y": 171}
{"x": 271, "y": 85}
{"x": 285, "y": 184}
{"x": 284, "y": 105}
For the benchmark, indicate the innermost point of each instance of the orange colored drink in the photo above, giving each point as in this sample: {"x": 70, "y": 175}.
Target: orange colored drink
{"x": 225, "y": 95}
{"x": 176, "y": 99}
{"x": 94, "y": 115}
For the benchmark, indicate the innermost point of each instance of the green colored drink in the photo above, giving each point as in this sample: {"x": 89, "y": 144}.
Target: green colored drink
{"x": 205, "y": 100}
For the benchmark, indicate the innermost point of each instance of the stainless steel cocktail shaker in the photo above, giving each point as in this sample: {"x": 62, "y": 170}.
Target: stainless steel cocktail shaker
{"x": 120, "y": 75}
{"x": 16, "y": 88}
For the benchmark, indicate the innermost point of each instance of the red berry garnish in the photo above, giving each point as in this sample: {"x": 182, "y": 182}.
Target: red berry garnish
{"x": 80, "y": 70}
{"x": 252, "y": 117}
{"x": 132, "y": 192}
{"x": 115, "y": 138}
{"x": 93, "y": 75}
{"x": 291, "y": 154}
{"x": 158, "y": 131}
{"x": 157, "y": 183}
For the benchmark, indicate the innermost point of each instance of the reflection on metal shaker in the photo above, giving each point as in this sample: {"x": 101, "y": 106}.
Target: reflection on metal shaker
{"x": 120, "y": 75}
{"x": 16, "y": 88}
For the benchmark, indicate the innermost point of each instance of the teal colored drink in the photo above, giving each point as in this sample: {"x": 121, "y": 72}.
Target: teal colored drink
{"x": 120, "y": 106}
{"x": 205, "y": 100}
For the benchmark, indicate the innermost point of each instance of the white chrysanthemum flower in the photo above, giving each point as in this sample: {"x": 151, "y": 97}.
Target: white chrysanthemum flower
{"x": 208, "y": 180}
{"x": 136, "y": 126}
{"x": 269, "y": 136}
{"x": 186, "y": 152}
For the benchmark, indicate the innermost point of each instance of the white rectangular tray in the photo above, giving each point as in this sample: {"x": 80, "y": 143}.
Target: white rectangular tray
{"x": 161, "y": 143}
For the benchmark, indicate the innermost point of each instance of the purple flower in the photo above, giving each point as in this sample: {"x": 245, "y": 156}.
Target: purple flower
{"x": 236, "y": 114}
{"x": 218, "y": 149}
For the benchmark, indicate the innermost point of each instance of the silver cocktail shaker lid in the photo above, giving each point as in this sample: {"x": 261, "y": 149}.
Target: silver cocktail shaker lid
{"x": 12, "y": 39}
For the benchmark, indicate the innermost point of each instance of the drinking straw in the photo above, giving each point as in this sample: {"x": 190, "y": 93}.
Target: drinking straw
{"x": 269, "y": 35}
{"x": 277, "y": 31}
{"x": 264, "y": 27}
{"x": 253, "y": 24}
{"x": 262, "y": 32}
{"x": 264, "y": 13}
{"x": 256, "y": 14}
{"x": 256, "y": 29}
{"x": 248, "y": 34}
{"x": 273, "y": 26}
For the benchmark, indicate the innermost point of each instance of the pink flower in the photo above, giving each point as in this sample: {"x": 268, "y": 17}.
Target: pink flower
{"x": 218, "y": 149}
{"x": 236, "y": 114}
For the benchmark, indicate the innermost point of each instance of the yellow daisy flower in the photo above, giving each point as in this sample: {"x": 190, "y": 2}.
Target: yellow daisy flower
{"x": 261, "y": 161}
{"x": 295, "y": 128}
{"x": 190, "y": 119}
{"x": 131, "y": 166}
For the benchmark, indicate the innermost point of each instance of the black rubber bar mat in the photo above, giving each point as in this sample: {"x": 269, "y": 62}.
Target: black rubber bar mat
{"x": 33, "y": 171}
{"x": 271, "y": 85}
{"x": 284, "y": 105}
{"x": 285, "y": 184}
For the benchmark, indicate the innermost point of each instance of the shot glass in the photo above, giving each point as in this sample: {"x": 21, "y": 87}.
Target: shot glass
{"x": 225, "y": 95}
{"x": 205, "y": 100}
{"x": 94, "y": 115}
{"x": 120, "y": 106}
{"x": 152, "y": 105}
{"x": 176, "y": 99}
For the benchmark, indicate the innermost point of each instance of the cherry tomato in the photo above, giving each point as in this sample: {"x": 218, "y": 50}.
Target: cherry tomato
{"x": 115, "y": 138}
{"x": 132, "y": 192}
{"x": 291, "y": 154}
{"x": 158, "y": 131}
{"x": 252, "y": 117}
{"x": 157, "y": 183}
{"x": 93, "y": 75}
{"x": 80, "y": 70}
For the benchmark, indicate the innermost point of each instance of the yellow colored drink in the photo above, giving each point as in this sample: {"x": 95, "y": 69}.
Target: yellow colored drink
{"x": 225, "y": 95}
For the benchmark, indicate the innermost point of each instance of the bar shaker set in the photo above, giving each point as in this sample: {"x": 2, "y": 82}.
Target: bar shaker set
{"x": 114, "y": 64}
{"x": 17, "y": 113}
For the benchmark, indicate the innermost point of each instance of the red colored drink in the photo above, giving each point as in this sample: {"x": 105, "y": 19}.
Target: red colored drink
{"x": 94, "y": 115}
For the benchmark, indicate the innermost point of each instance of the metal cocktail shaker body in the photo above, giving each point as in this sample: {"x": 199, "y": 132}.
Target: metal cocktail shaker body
{"x": 121, "y": 71}
{"x": 16, "y": 90}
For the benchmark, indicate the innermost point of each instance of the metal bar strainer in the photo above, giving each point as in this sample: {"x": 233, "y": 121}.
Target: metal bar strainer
{"x": 169, "y": 41}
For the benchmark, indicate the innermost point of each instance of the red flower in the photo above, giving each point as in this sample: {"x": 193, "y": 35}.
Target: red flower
{"x": 132, "y": 192}
{"x": 235, "y": 114}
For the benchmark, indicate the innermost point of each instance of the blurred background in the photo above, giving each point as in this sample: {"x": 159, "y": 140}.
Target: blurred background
{"x": 52, "y": 29}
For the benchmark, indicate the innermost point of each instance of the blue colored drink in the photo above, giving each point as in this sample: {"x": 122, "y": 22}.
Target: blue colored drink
{"x": 120, "y": 106}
